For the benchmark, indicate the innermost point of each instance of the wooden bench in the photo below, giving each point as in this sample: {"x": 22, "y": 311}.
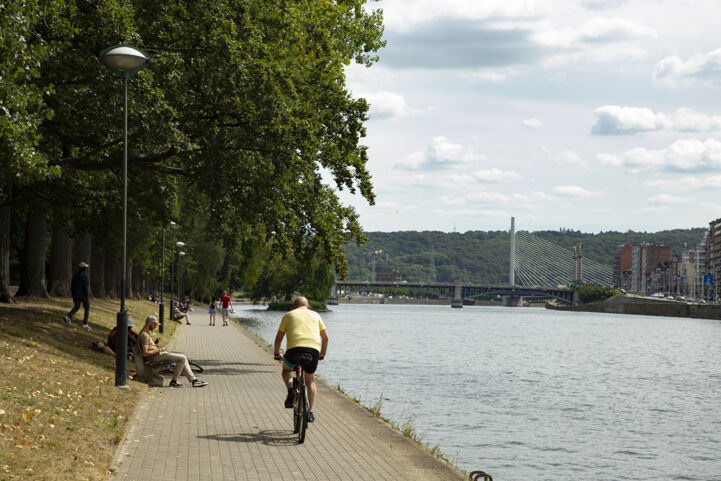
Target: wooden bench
{"x": 148, "y": 372}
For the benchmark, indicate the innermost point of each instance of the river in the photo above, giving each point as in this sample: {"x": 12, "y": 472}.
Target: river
{"x": 534, "y": 394}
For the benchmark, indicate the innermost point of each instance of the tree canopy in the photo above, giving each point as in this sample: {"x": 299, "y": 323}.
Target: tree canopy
{"x": 241, "y": 114}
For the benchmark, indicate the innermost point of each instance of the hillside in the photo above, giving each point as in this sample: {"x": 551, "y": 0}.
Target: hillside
{"x": 483, "y": 257}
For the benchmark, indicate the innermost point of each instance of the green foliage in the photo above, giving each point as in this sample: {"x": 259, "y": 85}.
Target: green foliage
{"x": 285, "y": 276}
{"x": 243, "y": 107}
{"x": 589, "y": 293}
{"x": 319, "y": 306}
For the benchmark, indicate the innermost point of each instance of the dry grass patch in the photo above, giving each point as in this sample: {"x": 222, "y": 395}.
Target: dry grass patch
{"x": 61, "y": 417}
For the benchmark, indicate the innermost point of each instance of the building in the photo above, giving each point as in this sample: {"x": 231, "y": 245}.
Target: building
{"x": 642, "y": 268}
{"x": 622, "y": 267}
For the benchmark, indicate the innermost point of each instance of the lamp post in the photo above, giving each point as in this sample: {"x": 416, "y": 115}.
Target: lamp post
{"x": 125, "y": 61}
{"x": 181, "y": 254}
{"x": 161, "y": 309}
{"x": 179, "y": 245}
{"x": 173, "y": 228}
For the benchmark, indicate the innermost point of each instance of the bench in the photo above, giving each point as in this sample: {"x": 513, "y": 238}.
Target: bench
{"x": 147, "y": 372}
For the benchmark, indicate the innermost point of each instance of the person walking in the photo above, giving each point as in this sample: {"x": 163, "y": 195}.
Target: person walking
{"x": 80, "y": 290}
{"x": 212, "y": 310}
{"x": 306, "y": 344}
{"x": 226, "y": 307}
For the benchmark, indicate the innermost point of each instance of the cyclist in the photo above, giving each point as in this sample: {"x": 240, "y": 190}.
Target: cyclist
{"x": 306, "y": 345}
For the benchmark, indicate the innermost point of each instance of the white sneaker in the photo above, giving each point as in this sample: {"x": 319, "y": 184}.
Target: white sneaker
{"x": 86, "y": 326}
{"x": 67, "y": 320}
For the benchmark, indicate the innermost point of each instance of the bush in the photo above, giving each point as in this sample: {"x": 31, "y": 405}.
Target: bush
{"x": 589, "y": 293}
{"x": 319, "y": 306}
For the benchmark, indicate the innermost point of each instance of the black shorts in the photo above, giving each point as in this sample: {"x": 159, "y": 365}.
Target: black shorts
{"x": 305, "y": 356}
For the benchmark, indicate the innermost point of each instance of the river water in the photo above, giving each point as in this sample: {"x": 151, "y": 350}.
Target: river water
{"x": 534, "y": 394}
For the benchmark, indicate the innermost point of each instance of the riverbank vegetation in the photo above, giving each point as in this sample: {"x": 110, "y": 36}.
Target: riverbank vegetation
{"x": 60, "y": 416}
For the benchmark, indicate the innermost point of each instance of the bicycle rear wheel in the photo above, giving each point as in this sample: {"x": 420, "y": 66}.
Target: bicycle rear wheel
{"x": 297, "y": 414}
{"x": 303, "y": 403}
{"x": 195, "y": 367}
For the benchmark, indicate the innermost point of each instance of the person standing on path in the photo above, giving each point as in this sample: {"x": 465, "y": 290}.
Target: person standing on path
{"x": 212, "y": 310}
{"x": 306, "y": 344}
{"x": 151, "y": 353}
{"x": 80, "y": 290}
{"x": 226, "y": 307}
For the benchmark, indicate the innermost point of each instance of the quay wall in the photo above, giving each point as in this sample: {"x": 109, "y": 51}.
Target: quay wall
{"x": 648, "y": 307}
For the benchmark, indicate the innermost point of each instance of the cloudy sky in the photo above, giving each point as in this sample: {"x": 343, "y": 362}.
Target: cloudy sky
{"x": 593, "y": 115}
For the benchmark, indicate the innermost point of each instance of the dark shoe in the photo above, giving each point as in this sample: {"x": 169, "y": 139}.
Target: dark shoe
{"x": 311, "y": 417}
{"x": 290, "y": 398}
{"x": 174, "y": 383}
{"x": 67, "y": 320}
{"x": 198, "y": 383}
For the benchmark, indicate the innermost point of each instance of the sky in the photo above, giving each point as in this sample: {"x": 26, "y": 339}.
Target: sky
{"x": 591, "y": 115}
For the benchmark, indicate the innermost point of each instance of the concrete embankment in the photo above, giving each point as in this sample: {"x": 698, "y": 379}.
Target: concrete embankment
{"x": 648, "y": 307}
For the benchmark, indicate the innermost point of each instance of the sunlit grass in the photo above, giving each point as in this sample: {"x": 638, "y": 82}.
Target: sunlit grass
{"x": 61, "y": 417}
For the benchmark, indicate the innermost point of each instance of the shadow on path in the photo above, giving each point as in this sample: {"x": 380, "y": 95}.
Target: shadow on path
{"x": 269, "y": 438}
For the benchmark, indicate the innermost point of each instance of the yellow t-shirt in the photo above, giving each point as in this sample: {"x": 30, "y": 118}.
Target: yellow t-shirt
{"x": 302, "y": 328}
{"x": 144, "y": 339}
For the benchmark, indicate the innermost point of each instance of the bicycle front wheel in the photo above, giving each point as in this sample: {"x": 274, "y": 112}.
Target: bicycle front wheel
{"x": 195, "y": 367}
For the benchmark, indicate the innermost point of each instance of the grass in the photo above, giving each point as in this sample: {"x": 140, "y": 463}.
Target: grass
{"x": 61, "y": 416}
{"x": 406, "y": 427}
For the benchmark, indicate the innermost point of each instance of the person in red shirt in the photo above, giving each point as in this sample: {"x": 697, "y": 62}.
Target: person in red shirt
{"x": 226, "y": 307}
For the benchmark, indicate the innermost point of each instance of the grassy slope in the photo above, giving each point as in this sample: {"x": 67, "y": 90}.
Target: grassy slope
{"x": 61, "y": 417}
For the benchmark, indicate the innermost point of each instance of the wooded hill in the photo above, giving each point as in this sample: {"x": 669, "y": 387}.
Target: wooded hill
{"x": 483, "y": 257}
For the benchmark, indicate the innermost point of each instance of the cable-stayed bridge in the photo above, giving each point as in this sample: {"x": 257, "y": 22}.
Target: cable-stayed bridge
{"x": 537, "y": 269}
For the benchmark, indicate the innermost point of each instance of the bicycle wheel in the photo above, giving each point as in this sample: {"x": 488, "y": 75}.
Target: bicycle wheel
{"x": 195, "y": 367}
{"x": 297, "y": 414}
{"x": 303, "y": 403}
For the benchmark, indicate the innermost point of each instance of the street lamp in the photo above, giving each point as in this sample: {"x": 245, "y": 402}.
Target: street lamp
{"x": 180, "y": 273}
{"x": 125, "y": 61}
{"x": 179, "y": 245}
{"x": 173, "y": 227}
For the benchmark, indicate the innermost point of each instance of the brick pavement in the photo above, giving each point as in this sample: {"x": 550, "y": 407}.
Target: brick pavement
{"x": 236, "y": 428}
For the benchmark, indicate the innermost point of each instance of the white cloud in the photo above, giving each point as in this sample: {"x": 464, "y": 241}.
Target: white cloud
{"x": 699, "y": 68}
{"x": 388, "y": 105}
{"x": 575, "y": 191}
{"x": 570, "y": 157}
{"x": 602, "y": 4}
{"x": 492, "y": 75}
{"x": 596, "y": 31}
{"x": 683, "y": 155}
{"x": 495, "y": 175}
{"x": 532, "y": 123}
{"x": 441, "y": 154}
{"x": 619, "y": 120}
{"x": 686, "y": 183}
{"x": 667, "y": 199}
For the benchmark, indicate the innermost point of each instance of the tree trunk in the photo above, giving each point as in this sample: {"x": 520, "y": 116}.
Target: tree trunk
{"x": 138, "y": 280}
{"x": 97, "y": 269}
{"x": 112, "y": 276}
{"x": 61, "y": 261}
{"x": 33, "y": 281}
{"x": 82, "y": 250}
{"x": 129, "y": 279}
{"x": 5, "y": 294}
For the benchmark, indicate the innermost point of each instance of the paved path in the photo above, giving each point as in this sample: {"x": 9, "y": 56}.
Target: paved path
{"x": 237, "y": 428}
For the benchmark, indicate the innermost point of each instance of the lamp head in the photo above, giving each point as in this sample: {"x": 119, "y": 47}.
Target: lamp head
{"x": 124, "y": 60}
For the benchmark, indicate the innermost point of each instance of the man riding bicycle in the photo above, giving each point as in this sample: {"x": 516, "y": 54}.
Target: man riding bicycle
{"x": 306, "y": 345}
